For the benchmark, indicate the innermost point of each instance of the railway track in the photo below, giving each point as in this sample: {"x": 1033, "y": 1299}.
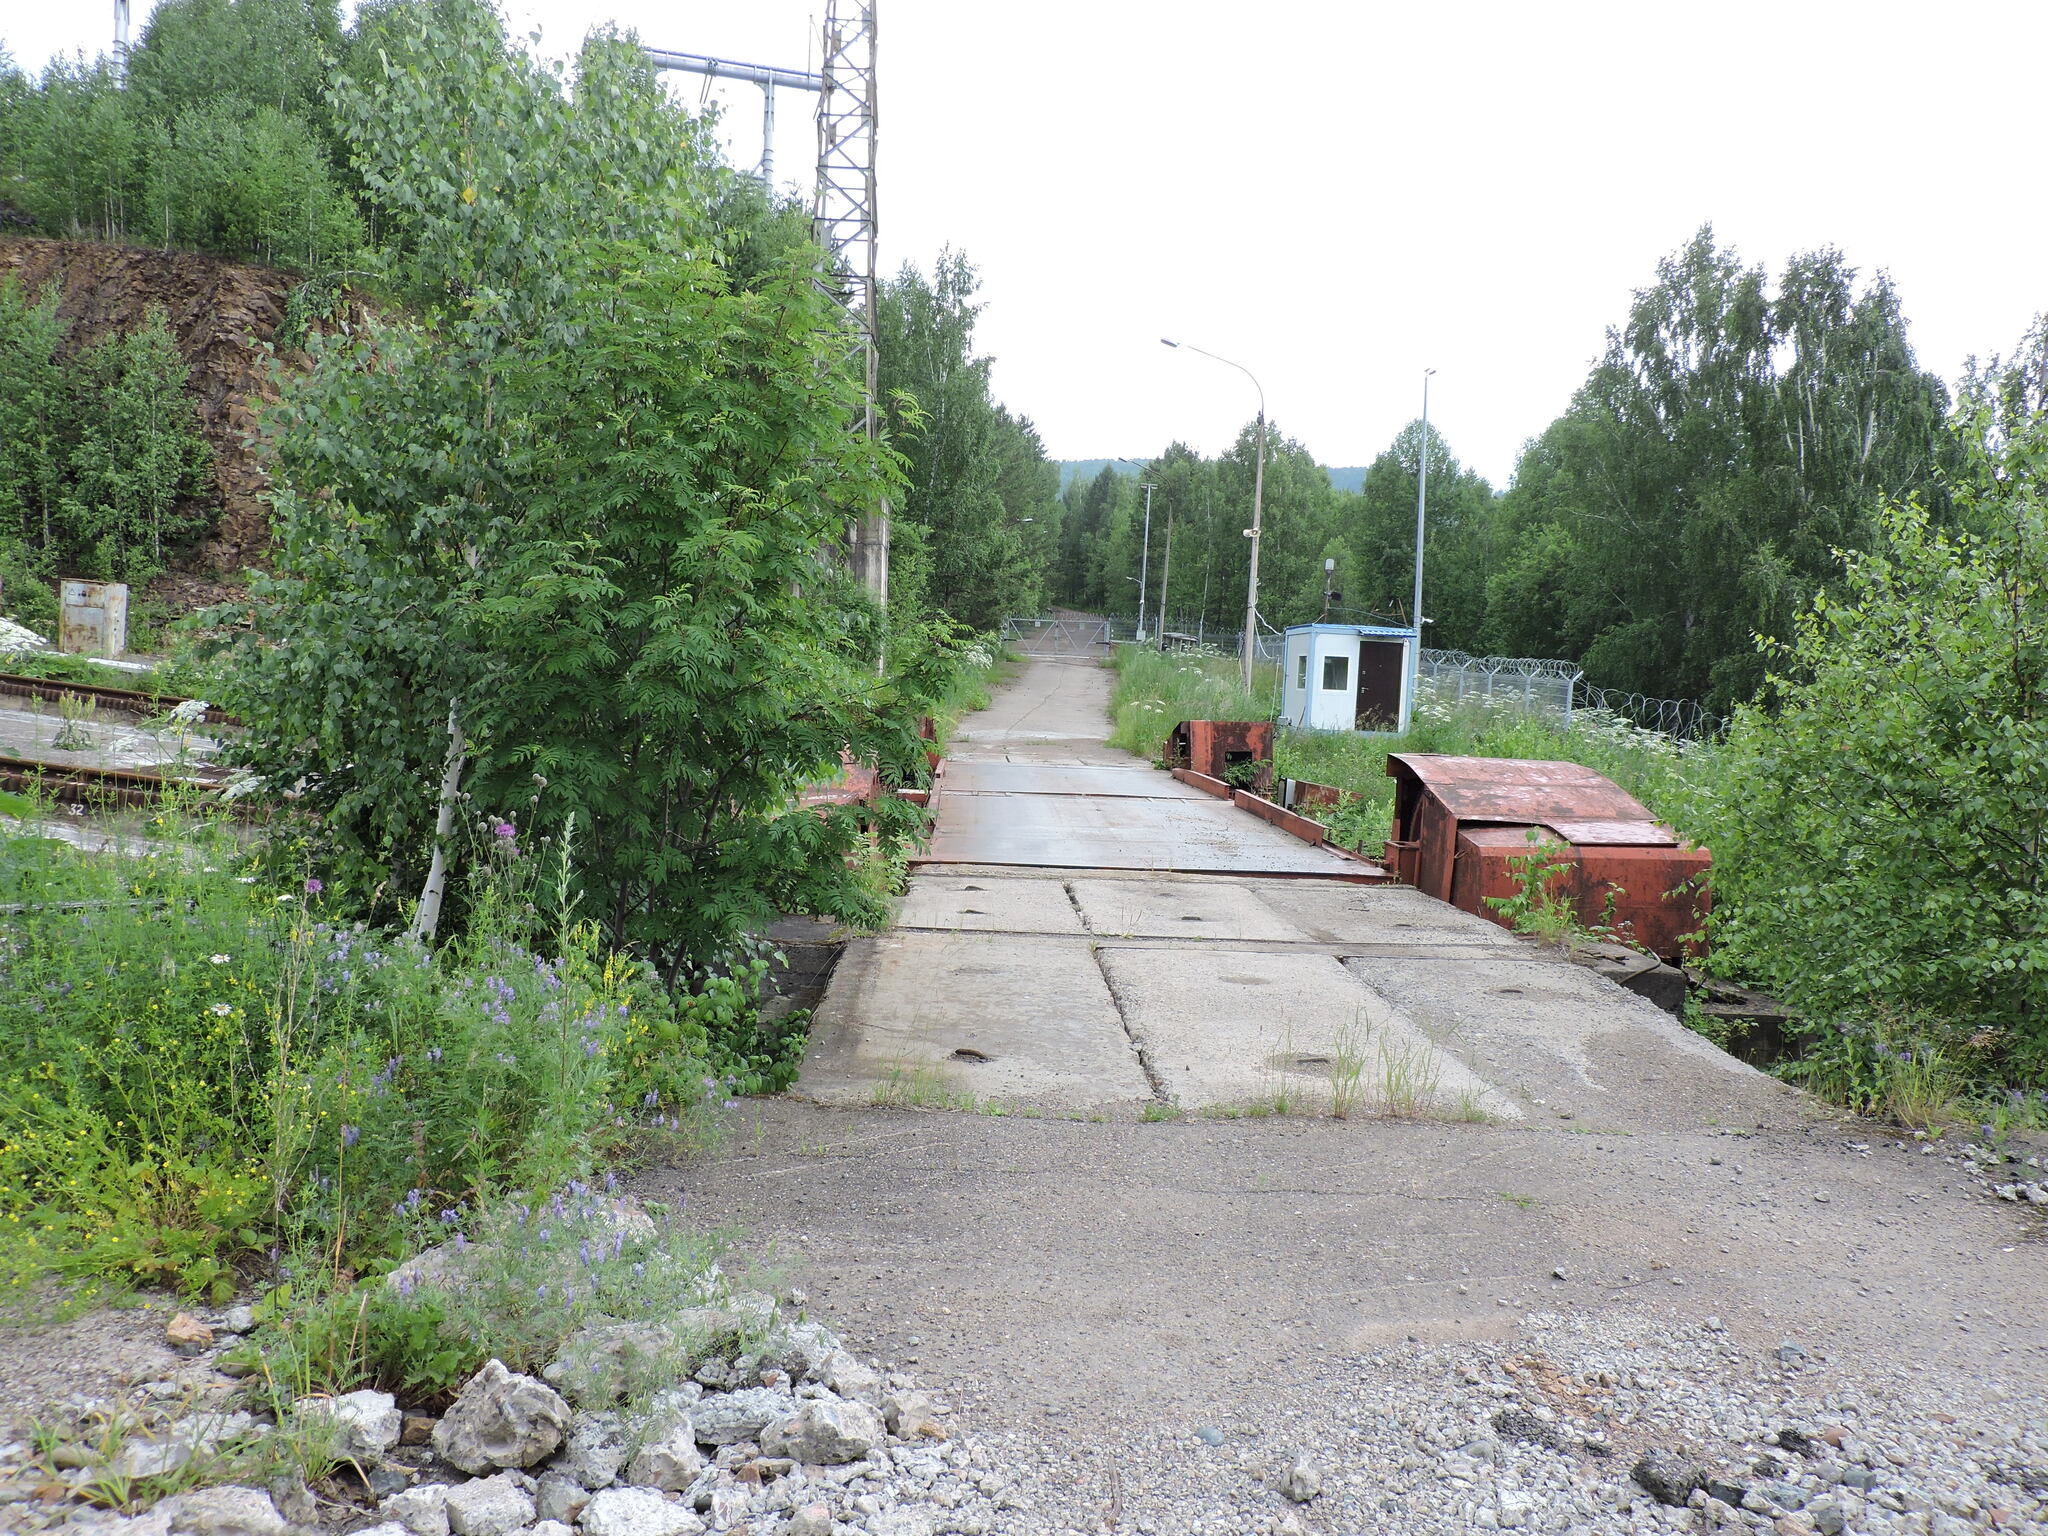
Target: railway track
{"x": 103, "y": 788}
{"x": 128, "y": 700}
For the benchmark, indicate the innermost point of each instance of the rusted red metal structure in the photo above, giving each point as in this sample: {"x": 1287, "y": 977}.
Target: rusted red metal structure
{"x": 1217, "y": 747}
{"x": 1459, "y": 821}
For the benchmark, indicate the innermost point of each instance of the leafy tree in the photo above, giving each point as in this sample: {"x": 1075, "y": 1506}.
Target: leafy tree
{"x": 101, "y": 463}
{"x": 138, "y": 465}
{"x": 249, "y": 54}
{"x": 1882, "y": 841}
{"x": 36, "y": 414}
{"x": 975, "y": 471}
{"x": 1730, "y": 439}
{"x": 552, "y": 546}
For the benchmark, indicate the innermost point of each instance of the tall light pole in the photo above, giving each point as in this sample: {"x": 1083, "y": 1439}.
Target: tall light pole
{"x": 1145, "y": 557}
{"x": 1251, "y": 594}
{"x": 1165, "y": 577}
{"x": 1421, "y": 504}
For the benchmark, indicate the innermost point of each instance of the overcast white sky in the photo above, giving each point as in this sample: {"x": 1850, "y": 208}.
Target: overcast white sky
{"x": 1339, "y": 195}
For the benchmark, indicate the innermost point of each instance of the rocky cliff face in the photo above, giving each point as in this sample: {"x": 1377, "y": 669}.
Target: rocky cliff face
{"x": 221, "y": 313}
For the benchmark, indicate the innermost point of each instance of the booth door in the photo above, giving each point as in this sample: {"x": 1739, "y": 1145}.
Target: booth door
{"x": 1382, "y": 665}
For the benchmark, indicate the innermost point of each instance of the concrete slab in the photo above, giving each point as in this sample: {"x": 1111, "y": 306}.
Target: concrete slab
{"x": 1379, "y": 914}
{"x": 1070, "y": 777}
{"x": 1199, "y": 834}
{"x": 1046, "y": 701}
{"x": 1575, "y": 1046}
{"x": 1222, "y": 1029}
{"x": 1179, "y": 909}
{"x": 115, "y": 740}
{"x": 953, "y": 1018}
{"x": 996, "y": 906}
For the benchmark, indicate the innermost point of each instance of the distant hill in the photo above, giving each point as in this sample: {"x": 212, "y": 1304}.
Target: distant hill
{"x": 1348, "y": 478}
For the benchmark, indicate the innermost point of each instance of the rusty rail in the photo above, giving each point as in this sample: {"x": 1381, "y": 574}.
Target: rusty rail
{"x": 132, "y": 700}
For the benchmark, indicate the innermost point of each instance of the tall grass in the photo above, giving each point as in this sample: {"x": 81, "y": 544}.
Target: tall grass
{"x": 1156, "y": 690}
{"x": 201, "y": 1068}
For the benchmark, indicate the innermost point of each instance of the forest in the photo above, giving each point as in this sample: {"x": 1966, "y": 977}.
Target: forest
{"x": 1737, "y": 435}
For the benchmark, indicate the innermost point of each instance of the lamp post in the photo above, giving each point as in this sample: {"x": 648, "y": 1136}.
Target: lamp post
{"x": 1421, "y": 503}
{"x": 1251, "y": 594}
{"x": 1145, "y": 553}
{"x": 1145, "y": 557}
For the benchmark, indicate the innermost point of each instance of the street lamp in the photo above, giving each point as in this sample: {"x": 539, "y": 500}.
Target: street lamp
{"x": 1251, "y": 595}
{"x": 1421, "y": 502}
{"x": 1145, "y": 553}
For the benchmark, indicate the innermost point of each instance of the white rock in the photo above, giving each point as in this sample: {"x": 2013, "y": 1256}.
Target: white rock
{"x": 637, "y": 1512}
{"x": 1302, "y": 1480}
{"x": 594, "y": 1451}
{"x": 826, "y": 1432}
{"x": 847, "y": 1376}
{"x": 222, "y": 1512}
{"x": 422, "y": 1510}
{"x": 365, "y": 1423}
{"x": 502, "y": 1419}
{"x": 490, "y": 1506}
{"x": 723, "y": 1418}
{"x": 669, "y": 1460}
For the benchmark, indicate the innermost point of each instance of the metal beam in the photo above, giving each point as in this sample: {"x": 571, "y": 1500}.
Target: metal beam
{"x": 732, "y": 69}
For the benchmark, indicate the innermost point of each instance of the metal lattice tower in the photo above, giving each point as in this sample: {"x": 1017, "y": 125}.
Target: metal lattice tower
{"x": 843, "y": 217}
{"x": 842, "y": 209}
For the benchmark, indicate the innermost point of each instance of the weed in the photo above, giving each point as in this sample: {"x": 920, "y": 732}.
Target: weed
{"x": 1347, "y": 1067}
{"x": 916, "y": 1085}
{"x": 75, "y": 734}
{"x": 1410, "y": 1073}
{"x": 1155, "y": 1111}
{"x": 1523, "y": 1202}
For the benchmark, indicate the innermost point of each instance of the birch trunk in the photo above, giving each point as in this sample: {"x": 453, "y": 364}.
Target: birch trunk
{"x": 428, "y": 917}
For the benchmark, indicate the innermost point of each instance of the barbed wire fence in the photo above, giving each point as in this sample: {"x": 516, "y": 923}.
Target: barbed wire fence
{"x": 1684, "y": 719}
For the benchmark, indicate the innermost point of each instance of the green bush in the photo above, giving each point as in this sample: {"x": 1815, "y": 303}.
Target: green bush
{"x": 1882, "y": 830}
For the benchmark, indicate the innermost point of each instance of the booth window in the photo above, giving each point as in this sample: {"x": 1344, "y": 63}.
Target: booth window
{"x": 1301, "y": 672}
{"x": 1336, "y": 673}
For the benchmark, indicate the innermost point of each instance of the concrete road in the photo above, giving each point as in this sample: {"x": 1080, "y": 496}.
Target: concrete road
{"x": 1088, "y": 935}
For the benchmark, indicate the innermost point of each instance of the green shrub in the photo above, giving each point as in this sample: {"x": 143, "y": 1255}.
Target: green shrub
{"x": 1882, "y": 830}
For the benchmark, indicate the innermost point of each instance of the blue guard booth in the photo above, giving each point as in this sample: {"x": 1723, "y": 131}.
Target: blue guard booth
{"x": 1347, "y": 677}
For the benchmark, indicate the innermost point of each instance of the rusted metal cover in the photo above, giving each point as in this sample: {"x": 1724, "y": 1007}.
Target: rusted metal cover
{"x": 1459, "y": 821}
{"x": 92, "y": 617}
{"x": 1213, "y": 747}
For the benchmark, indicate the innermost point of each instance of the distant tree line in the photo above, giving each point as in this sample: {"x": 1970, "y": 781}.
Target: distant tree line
{"x": 1733, "y": 436}
{"x": 980, "y": 518}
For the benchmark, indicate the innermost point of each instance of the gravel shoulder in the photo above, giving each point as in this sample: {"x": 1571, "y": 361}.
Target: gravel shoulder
{"x": 1094, "y": 1294}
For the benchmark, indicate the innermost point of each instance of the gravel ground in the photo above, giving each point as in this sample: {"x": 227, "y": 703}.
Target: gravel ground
{"x": 1541, "y": 1432}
